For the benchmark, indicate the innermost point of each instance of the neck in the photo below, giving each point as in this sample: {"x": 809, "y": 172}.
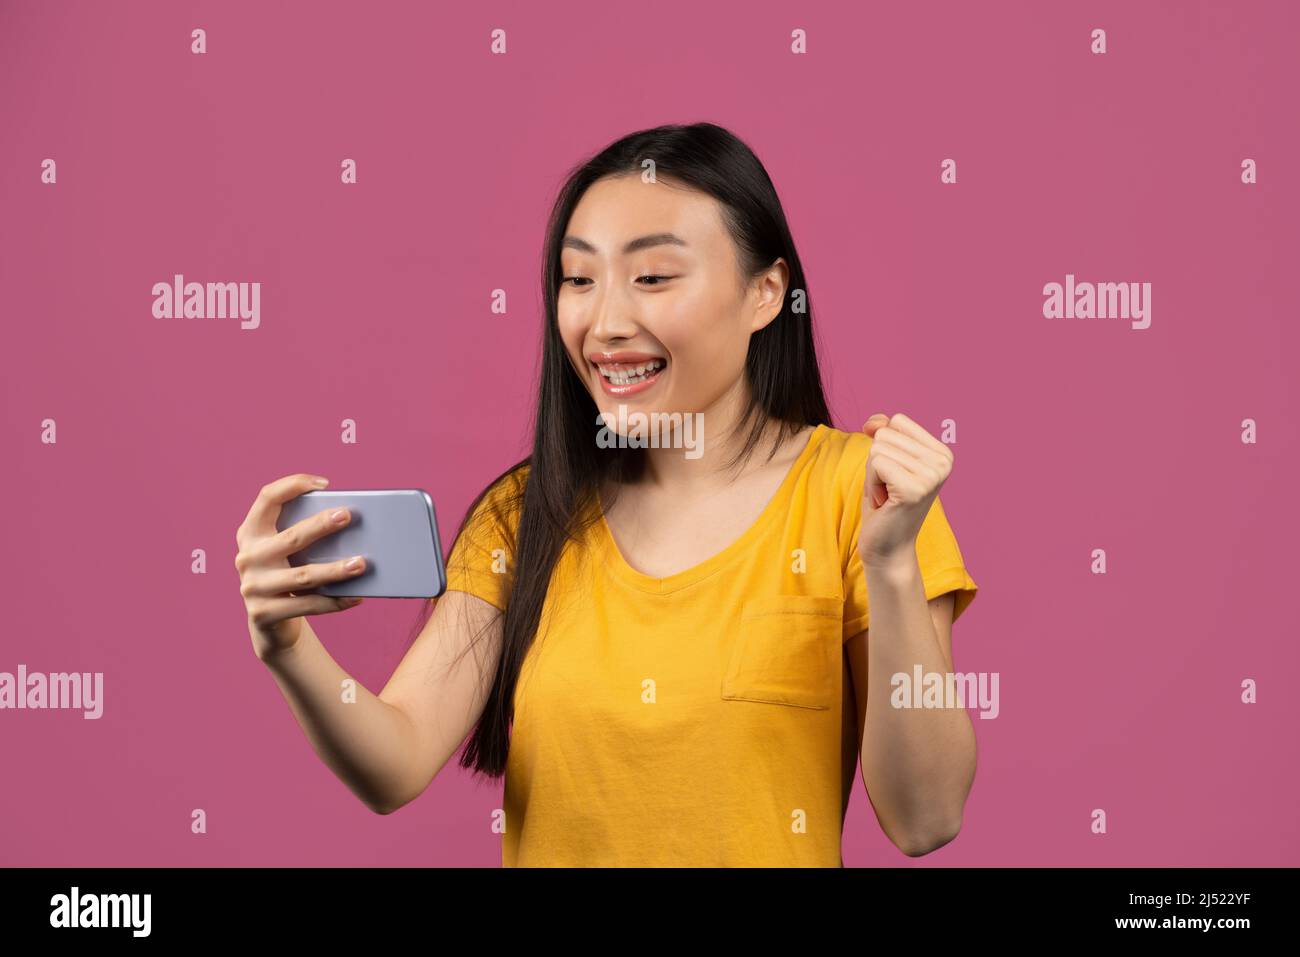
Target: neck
{"x": 670, "y": 470}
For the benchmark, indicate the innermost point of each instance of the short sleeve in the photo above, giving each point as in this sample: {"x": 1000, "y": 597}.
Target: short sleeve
{"x": 482, "y": 558}
{"x": 937, "y": 554}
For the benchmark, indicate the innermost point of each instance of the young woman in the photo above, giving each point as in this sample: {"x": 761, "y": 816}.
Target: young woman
{"x": 672, "y": 662}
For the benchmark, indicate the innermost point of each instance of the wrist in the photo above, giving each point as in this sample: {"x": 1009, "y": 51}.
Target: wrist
{"x": 276, "y": 656}
{"x": 892, "y": 566}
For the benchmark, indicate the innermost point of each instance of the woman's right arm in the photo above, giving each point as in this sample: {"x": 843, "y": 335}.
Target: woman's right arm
{"x": 386, "y": 748}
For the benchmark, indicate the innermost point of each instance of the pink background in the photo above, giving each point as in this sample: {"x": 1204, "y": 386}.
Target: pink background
{"x": 1119, "y": 691}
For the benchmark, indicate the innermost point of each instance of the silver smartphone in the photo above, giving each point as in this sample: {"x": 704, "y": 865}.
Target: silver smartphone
{"x": 395, "y": 530}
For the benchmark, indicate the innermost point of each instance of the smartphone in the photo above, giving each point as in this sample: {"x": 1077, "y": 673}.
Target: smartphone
{"x": 395, "y": 530}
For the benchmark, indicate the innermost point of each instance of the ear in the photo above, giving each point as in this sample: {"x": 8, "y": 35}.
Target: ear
{"x": 767, "y": 294}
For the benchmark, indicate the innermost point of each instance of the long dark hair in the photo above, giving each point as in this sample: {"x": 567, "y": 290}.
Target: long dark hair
{"x": 567, "y": 469}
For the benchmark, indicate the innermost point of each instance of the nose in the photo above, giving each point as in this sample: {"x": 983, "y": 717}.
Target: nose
{"x": 611, "y": 316}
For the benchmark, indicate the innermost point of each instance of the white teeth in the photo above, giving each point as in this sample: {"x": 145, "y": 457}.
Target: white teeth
{"x": 632, "y": 374}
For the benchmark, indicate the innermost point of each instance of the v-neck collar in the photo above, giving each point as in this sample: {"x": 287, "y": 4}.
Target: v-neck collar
{"x": 618, "y": 566}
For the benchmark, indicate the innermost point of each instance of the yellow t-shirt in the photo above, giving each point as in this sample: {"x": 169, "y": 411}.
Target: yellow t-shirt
{"x": 703, "y": 719}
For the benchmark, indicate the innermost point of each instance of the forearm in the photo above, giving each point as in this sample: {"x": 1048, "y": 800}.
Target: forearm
{"x": 917, "y": 763}
{"x": 368, "y": 743}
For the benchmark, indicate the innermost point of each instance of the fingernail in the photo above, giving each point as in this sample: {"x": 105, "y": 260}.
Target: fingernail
{"x": 320, "y": 481}
{"x": 353, "y": 563}
{"x": 338, "y": 516}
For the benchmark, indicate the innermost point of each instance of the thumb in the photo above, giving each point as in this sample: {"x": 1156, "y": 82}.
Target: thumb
{"x": 874, "y": 423}
{"x": 875, "y": 493}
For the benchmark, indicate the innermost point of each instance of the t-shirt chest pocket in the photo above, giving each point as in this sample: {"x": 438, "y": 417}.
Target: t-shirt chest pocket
{"x": 788, "y": 651}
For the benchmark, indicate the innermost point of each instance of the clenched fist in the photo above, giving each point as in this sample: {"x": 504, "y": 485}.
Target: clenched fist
{"x": 905, "y": 469}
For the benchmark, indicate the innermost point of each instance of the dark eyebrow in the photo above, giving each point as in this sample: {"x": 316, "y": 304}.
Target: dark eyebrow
{"x": 641, "y": 242}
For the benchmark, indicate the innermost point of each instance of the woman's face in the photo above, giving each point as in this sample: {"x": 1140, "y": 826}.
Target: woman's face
{"x": 662, "y": 326}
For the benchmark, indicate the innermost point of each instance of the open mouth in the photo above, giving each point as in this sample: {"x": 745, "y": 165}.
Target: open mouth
{"x": 631, "y": 373}
{"x": 629, "y": 377}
